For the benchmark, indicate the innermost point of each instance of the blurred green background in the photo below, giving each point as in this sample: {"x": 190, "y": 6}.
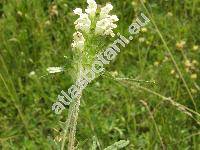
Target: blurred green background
{"x": 36, "y": 34}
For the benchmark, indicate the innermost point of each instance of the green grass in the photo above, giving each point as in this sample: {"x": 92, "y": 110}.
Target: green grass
{"x": 31, "y": 39}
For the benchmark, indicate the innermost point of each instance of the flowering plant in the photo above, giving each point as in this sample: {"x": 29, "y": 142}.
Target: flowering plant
{"x": 92, "y": 26}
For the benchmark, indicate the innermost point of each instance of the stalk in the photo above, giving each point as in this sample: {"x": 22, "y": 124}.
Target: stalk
{"x": 70, "y": 128}
{"x": 73, "y": 123}
{"x": 67, "y": 127}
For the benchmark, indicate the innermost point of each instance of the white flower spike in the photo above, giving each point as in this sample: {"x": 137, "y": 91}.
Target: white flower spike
{"x": 104, "y": 26}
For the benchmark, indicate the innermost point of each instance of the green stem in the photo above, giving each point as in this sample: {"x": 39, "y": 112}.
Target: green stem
{"x": 73, "y": 123}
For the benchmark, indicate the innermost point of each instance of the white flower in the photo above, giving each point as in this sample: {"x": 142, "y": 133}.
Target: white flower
{"x": 92, "y": 7}
{"x": 105, "y": 11}
{"x": 78, "y": 41}
{"x": 83, "y": 22}
{"x": 106, "y": 25}
{"x": 78, "y": 11}
{"x": 55, "y": 69}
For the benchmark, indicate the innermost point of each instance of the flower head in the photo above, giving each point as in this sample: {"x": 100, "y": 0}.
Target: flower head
{"x": 105, "y": 10}
{"x": 92, "y": 7}
{"x": 78, "y": 41}
{"x": 78, "y": 11}
{"x": 83, "y": 22}
{"x": 105, "y": 26}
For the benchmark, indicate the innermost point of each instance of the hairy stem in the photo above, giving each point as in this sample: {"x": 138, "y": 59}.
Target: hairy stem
{"x": 73, "y": 123}
{"x": 67, "y": 126}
